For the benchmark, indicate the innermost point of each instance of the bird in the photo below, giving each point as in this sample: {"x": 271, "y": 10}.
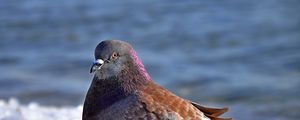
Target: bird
{"x": 122, "y": 89}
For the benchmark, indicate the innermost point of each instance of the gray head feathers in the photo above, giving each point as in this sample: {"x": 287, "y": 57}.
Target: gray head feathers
{"x": 114, "y": 56}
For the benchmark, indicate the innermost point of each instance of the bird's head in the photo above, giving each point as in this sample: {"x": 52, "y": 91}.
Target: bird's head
{"x": 113, "y": 56}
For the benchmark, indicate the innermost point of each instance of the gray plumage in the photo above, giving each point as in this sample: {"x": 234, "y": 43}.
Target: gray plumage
{"x": 122, "y": 89}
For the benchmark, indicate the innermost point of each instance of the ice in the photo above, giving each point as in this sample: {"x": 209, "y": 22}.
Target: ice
{"x": 13, "y": 110}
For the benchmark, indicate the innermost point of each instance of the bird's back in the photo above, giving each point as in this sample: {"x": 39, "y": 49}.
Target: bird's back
{"x": 166, "y": 105}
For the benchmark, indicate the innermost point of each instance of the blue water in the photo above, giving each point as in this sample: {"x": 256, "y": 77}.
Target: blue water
{"x": 241, "y": 54}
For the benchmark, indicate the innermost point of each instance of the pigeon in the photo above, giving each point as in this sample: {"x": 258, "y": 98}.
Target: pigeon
{"x": 123, "y": 90}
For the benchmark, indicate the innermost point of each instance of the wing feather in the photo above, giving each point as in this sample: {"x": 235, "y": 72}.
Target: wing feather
{"x": 212, "y": 113}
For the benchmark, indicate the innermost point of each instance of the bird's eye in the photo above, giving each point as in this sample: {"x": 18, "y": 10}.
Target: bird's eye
{"x": 114, "y": 55}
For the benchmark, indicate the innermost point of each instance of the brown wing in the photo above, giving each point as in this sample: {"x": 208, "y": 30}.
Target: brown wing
{"x": 165, "y": 105}
{"x": 212, "y": 113}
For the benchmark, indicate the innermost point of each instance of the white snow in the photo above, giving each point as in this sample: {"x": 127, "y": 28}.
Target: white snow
{"x": 13, "y": 110}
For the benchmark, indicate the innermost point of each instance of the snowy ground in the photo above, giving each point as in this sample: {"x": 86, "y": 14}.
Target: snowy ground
{"x": 13, "y": 110}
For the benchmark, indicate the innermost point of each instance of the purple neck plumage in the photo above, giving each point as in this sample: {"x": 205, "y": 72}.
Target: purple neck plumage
{"x": 139, "y": 65}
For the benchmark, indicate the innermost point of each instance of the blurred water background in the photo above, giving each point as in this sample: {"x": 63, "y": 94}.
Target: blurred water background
{"x": 244, "y": 54}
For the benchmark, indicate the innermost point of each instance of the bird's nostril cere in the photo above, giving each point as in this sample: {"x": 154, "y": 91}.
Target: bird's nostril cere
{"x": 96, "y": 65}
{"x": 99, "y": 62}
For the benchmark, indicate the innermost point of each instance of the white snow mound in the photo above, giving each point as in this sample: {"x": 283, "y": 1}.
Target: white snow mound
{"x": 12, "y": 110}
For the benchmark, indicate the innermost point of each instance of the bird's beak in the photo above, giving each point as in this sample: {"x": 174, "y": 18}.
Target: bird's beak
{"x": 97, "y": 64}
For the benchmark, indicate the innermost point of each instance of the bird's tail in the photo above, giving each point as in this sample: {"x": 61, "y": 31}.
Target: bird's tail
{"x": 212, "y": 113}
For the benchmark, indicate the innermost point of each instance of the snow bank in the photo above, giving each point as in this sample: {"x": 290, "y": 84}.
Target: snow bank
{"x": 12, "y": 110}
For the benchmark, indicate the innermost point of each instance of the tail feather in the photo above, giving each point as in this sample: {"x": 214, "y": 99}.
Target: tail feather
{"x": 212, "y": 113}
